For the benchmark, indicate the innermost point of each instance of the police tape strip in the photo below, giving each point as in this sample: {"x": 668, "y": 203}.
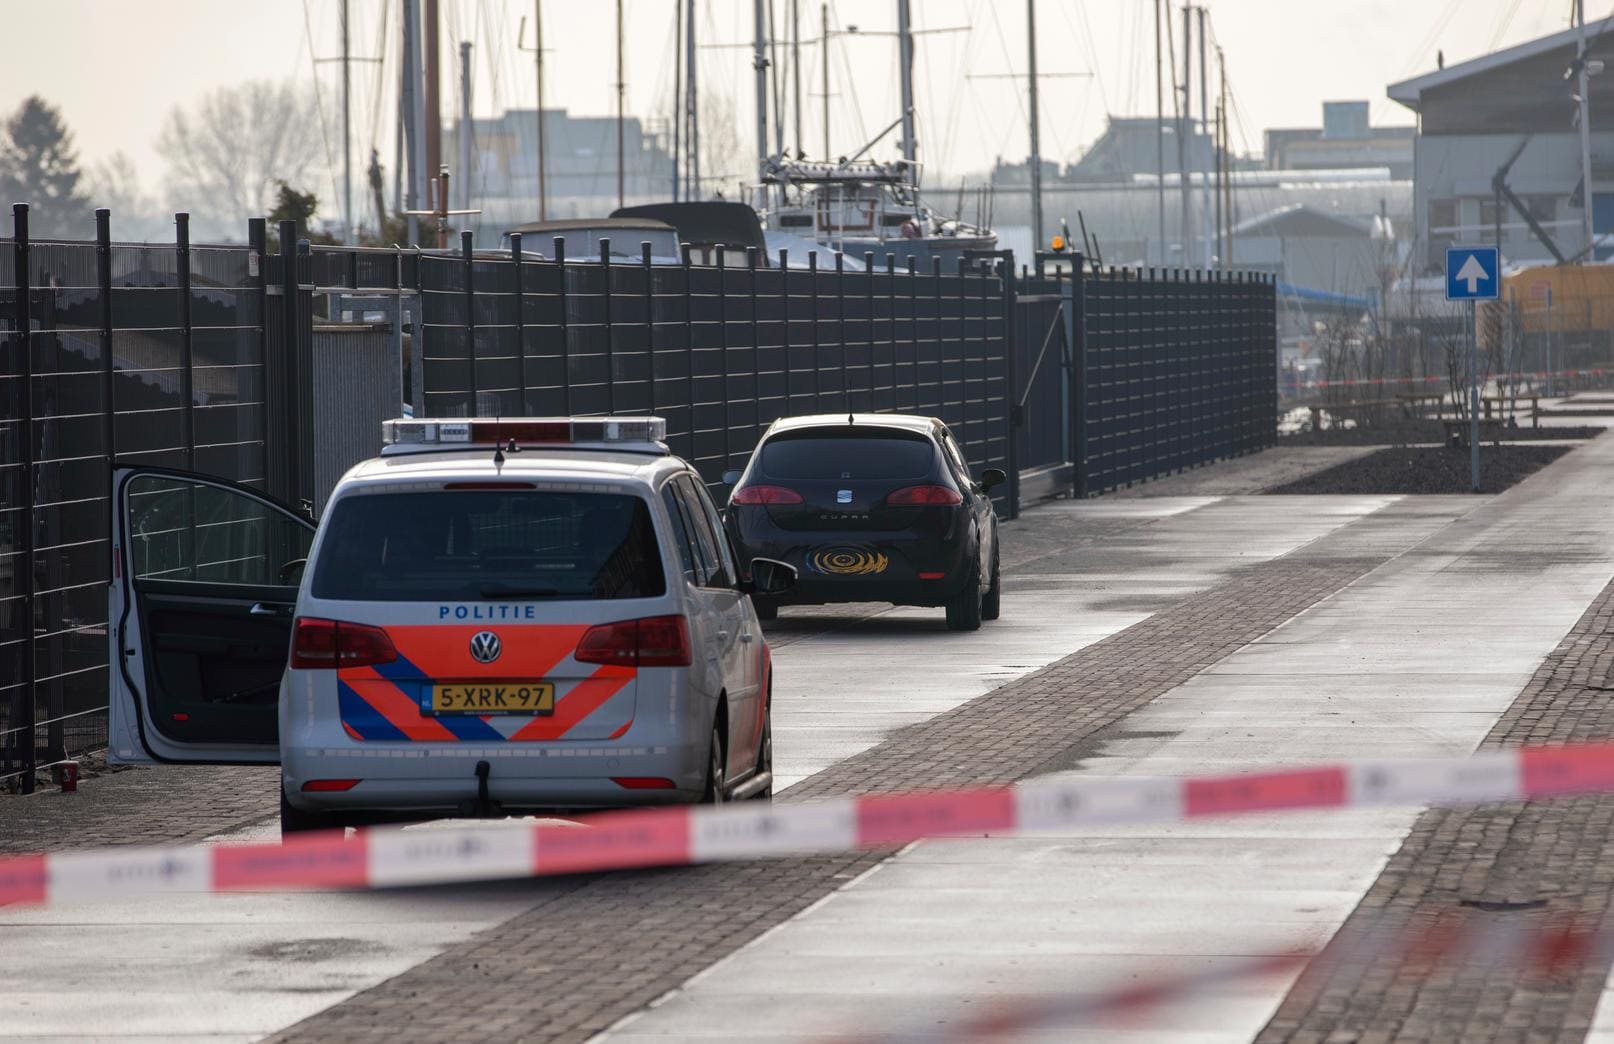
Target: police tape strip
{"x": 382, "y": 857}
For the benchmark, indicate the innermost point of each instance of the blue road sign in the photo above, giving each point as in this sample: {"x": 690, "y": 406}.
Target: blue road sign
{"x": 1472, "y": 274}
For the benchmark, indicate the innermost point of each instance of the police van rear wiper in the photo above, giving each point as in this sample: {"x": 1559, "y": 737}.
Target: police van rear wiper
{"x": 520, "y": 592}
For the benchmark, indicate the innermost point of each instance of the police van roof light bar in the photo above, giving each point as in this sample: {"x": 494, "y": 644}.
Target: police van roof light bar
{"x": 404, "y": 433}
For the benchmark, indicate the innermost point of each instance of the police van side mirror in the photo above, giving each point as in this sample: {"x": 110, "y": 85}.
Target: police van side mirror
{"x": 730, "y": 477}
{"x": 769, "y": 577}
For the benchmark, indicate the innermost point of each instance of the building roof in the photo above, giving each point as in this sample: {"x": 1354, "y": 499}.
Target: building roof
{"x": 580, "y": 224}
{"x": 1298, "y": 221}
{"x": 1519, "y": 89}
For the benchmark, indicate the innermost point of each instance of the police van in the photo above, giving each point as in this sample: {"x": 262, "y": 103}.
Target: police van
{"x": 492, "y": 617}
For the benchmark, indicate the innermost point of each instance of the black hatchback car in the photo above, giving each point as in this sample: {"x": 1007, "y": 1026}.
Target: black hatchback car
{"x": 870, "y": 508}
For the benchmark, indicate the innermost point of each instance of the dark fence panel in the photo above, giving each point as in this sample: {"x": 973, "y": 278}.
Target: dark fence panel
{"x": 719, "y": 351}
{"x": 150, "y": 354}
{"x": 1176, "y": 370}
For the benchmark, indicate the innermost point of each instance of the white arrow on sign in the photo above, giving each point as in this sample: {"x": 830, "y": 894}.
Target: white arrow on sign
{"x": 1473, "y": 273}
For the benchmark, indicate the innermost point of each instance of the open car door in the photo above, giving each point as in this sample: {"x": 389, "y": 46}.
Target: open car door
{"x": 204, "y": 582}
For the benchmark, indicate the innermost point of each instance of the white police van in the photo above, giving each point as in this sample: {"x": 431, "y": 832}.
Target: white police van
{"x": 492, "y": 617}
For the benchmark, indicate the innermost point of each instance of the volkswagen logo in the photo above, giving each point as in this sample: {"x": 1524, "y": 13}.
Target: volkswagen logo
{"x": 485, "y": 647}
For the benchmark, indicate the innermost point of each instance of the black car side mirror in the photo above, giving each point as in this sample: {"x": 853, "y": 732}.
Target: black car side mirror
{"x": 730, "y": 477}
{"x": 769, "y": 577}
{"x": 993, "y": 477}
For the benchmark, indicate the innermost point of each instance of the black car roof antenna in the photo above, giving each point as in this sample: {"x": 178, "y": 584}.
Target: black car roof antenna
{"x": 850, "y": 419}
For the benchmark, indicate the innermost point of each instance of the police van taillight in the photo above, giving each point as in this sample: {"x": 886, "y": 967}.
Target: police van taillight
{"x": 318, "y": 644}
{"x": 654, "y": 641}
{"x": 410, "y": 434}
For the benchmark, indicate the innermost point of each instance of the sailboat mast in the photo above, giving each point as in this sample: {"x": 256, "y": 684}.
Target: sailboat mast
{"x": 692, "y": 137}
{"x": 621, "y": 152}
{"x": 1036, "y": 139}
{"x": 1185, "y": 129}
{"x": 759, "y": 61}
{"x": 347, "y": 135}
{"x": 910, "y": 149}
{"x": 1159, "y": 134}
{"x": 414, "y": 116}
{"x": 795, "y": 67}
{"x": 823, "y": 53}
{"x": 538, "y": 55}
{"x": 1204, "y": 120}
{"x": 678, "y": 89}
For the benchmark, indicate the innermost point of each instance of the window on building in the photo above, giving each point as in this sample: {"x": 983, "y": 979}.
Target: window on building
{"x": 1442, "y": 216}
{"x": 1543, "y": 208}
{"x": 1490, "y": 214}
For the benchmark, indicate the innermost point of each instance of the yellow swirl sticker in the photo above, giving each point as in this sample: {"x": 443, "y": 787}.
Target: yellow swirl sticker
{"x": 847, "y": 561}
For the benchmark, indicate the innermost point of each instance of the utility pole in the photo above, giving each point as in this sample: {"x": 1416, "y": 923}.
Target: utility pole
{"x": 692, "y": 139}
{"x": 1159, "y": 134}
{"x": 1036, "y": 142}
{"x": 1185, "y": 129}
{"x": 465, "y": 124}
{"x": 621, "y": 90}
{"x": 795, "y": 69}
{"x": 1204, "y": 119}
{"x": 823, "y": 49}
{"x": 434, "y": 108}
{"x": 1226, "y": 163}
{"x": 759, "y": 63}
{"x": 1585, "y": 130}
{"x": 910, "y": 151}
{"x": 414, "y": 116}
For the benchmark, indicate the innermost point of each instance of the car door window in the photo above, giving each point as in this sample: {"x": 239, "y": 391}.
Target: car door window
{"x": 715, "y": 522}
{"x": 711, "y": 569}
{"x": 181, "y": 530}
{"x": 956, "y": 458}
{"x": 680, "y": 533}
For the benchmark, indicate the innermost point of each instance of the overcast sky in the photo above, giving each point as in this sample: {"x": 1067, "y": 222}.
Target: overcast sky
{"x": 116, "y": 68}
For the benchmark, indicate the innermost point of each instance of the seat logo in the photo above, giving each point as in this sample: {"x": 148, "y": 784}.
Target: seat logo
{"x": 843, "y": 496}
{"x": 485, "y": 647}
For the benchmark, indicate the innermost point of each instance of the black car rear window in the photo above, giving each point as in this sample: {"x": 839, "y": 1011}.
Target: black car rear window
{"x": 840, "y": 454}
{"x": 469, "y": 545}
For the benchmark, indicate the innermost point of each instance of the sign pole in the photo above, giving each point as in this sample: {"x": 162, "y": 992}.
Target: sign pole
{"x": 1473, "y": 398}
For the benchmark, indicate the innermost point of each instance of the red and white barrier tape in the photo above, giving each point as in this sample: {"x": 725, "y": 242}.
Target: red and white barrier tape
{"x": 381, "y": 857}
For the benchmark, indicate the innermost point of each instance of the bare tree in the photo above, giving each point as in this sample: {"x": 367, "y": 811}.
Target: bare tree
{"x": 136, "y": 215}
{"x": 228, "y": 152}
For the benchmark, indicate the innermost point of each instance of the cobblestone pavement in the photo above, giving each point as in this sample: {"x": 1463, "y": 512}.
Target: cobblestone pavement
{"x": 155, "y": 806}
{"x": 620, "y": 941}
{"x": 1513, "y": 865}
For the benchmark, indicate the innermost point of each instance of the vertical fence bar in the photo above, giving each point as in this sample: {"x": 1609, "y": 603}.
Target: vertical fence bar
{"x": 913, "y": 326}
{"x": 818, "y": 380}
{"x": 756, "y": 351}
{"x": 288, "y": 361}
{"x": 25, "y": 526}
{"x": 723, "y": 356}
{"x": 868, "y": 325}
{"x": 840, "y": 293}
{"x": 521, "y": 322}
{"x": 689, "y": 349}
{"x": 258, "y": 276}
{"x": 649, "y": 323}
{"x": 890, "y": 325}
{"x": 1076, "y": 332}
{"x": 1013, "y": 416}
{"x": 610, "y": 327}
{"x": 468, "y": 262}
{"x": 784, "y": 307}
{"x": 565, "y": 332}
{"x": 187, "y": 396}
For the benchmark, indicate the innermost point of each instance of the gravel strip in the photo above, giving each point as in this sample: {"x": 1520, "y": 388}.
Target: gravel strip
{"x": 1414, "y": 470}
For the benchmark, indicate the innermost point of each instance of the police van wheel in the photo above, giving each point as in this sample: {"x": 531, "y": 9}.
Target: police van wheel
{"x": 294, "y": 820}
{"x": 765, "y": 756}
{"x": 716, "y": 778}
{"x": 964, "y": 611}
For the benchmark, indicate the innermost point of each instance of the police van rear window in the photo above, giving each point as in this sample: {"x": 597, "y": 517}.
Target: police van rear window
{"x": 467, "y": 545}
{"x": 839, "y": 453}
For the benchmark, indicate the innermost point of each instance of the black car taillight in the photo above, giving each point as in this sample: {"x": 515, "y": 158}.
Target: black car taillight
{"x": 927, "y": 495}
{"x": 765, "y": 495}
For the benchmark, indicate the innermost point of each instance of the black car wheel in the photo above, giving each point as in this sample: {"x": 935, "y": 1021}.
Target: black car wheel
{"x": 964, "y": 611}
{"x": 765, "y": 610}
{"x": 992, "y": 602}
{"x": 716, "y": 791}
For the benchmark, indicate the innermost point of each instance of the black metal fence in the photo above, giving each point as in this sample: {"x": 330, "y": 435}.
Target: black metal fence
{"x": 1177, "y": 368}
{"x": 202, "y": 358}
